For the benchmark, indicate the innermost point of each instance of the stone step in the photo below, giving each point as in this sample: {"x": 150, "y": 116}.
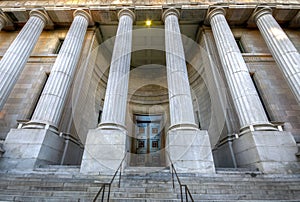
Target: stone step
{"x": 203, "y": 200}
{"x": 145, "y": 170}
{"x": 144, "y": 195}
{"x": 149, "y": 187}
{"x": 45, "y": 199}
{"x": 245, "y": 197}
{"x": 144, "y": 200}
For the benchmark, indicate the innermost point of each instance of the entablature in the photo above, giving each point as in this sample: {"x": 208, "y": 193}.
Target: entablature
{"x": 61, "y": 12}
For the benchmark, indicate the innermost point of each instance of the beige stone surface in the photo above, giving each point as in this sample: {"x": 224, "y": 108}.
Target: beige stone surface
{"x": 275, "y": 94}
{"x": 193, "y": 156}
{"x": 104, "y": 151}
{"x": 269, "y": 151}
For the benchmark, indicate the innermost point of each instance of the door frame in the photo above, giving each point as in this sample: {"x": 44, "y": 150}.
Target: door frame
{"x": 134, "y": 141}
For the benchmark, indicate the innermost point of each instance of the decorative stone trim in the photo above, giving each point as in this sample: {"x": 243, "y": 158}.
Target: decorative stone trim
{"x": 170, "y": 11}
{"x": 38, "y": 125}
{"x": 3, "y": 20}
{"x": 261, "y": 12}
{"x": 83, "y": 13}
{"x": 127, "y": 12}
{"x": 40, "y": 14}
{"x": 215, "y": 11}
{"x": 258, "y": 127}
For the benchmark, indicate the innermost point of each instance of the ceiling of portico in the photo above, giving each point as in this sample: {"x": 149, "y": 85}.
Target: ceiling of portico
{"x": 148, "y": 43}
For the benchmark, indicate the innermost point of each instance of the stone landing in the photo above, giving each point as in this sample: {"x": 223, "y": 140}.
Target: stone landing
{"x": 190, "y": 150}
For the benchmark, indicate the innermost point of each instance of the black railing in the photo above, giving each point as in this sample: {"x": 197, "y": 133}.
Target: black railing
{"x": 187, "y": 192}
{"x": 102, "y": 188}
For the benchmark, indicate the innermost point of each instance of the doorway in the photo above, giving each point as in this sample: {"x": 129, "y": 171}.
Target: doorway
{"x": 148, "y": 141}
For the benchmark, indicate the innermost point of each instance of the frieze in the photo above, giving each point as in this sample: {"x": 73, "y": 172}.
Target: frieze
{"x": 238, "y": 12}
{"x": 136, "y": 2}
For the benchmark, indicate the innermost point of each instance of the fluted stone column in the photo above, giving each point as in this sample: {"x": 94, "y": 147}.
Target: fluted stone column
{"x": 284, "y": 52}
{"x": 110, "y": 137}
{"x": 181, "y": 107}
{"x": 258, "y": 138}
{"x": 115, "y": 101}
{"x": 36, "y": 140}
{"x": 50, "y": 106}
{"x": 249, "y": 108}
{"x": 188, "y": 148}
{"x": 15, "y": 58}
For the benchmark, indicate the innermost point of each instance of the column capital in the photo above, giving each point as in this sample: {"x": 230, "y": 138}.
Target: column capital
{"x": 83, "y": 13}
{"x": 170, "y": 11}
{"x": 127, "y": 12}
{"x": 4, "y": 20}
{"x": 214, "y": 12}
{"x": 40, "y": 14}
{"x": 261, "y": 12}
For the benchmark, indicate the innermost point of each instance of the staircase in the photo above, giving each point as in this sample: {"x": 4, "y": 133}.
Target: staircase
{"x": 61, "y": 184}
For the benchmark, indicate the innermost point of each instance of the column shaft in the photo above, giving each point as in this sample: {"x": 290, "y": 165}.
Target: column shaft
{"x": 245, "y": 98}
{"x": 284, "y": 52}
{"x": 50, "y": 106}
{"x": 114, "y": 109}
{"x": 15, "y": 58}
{"x": 180, "y": 101}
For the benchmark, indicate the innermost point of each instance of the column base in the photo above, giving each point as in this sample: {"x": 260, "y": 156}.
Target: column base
{"x": 103, "y": 152}
{"x": 38, "y": 125}
{"x": 258, "y": 127}
{"x": 268, "y": 151}
{"x": 26, "y": 149}
{"x": 190, "y": 150}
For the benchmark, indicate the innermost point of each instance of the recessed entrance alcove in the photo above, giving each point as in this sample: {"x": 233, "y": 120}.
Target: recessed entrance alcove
{"x": 148, "y": 116}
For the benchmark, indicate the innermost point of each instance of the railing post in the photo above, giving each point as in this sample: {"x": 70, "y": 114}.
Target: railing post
{"x": 103, "y": 193}
{"x": 173, "y": 177}
{"x": 186, "y": 189}
{"x": 120, "y": 175}
{"x": 110, "y": 183}
{"x": 181, "y": 196}
{"x": 186, "y": 194}
{"x": 108, "y": 192}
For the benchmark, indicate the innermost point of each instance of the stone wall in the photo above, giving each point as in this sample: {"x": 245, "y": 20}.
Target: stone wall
{"x": 24, "y": 97}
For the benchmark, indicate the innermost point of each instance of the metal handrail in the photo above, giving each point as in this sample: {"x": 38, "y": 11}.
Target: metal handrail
{"x": 102, "y": 188}
{"x": 186, "y": 189}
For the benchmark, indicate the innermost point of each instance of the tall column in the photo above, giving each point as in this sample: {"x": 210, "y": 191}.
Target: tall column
{"x": 249, "y": 108}
{"x": 284, "y": 52}
{"x": 181, "y": 107}
{"x": 188, "y": 147}
{"x": 50, "y": 106}
{"x": 110, "y": 137}
{"x": 114, "y": 109}
{"x": 15, "y": 58}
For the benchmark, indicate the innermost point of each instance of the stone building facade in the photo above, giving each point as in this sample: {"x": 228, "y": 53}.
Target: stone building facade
{"x": 202, "y": 84}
